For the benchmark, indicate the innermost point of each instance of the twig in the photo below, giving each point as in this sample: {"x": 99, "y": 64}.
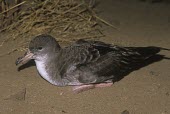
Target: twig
{"x": 67, "y": 26}
{"x": 105, "y": 22}
{"x": 73, "y": 8}
{"x": 13, "y": 7}
{"x": 100, "y": 19}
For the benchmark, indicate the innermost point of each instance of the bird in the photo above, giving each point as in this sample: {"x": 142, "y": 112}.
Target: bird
{"x": 85, "y": 64}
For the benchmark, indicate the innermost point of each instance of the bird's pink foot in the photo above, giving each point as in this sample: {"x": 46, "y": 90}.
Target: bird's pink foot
{"x": 104, "y": 84}
{"x": 81, "y": 88}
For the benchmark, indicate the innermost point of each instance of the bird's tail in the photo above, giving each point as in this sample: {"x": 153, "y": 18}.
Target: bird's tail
{"x": 148, "y": 51}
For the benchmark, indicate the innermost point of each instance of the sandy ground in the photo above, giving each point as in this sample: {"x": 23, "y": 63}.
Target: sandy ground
{"x": 145, "y": 91}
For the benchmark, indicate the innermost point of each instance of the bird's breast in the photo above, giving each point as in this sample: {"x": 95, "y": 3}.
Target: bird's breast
{"x": 42, "y": 70}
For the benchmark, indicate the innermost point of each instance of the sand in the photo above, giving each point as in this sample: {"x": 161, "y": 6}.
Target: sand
{"x": 145, "y": 91}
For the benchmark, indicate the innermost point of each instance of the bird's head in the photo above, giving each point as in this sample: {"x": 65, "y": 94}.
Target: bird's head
{"x": 38, "y": 49}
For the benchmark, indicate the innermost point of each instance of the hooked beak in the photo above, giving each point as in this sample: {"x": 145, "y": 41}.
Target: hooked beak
{"x": 23, "y": 60}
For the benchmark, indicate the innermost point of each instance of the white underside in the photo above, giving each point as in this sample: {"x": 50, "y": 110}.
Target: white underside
{"x": 42, "y": 71}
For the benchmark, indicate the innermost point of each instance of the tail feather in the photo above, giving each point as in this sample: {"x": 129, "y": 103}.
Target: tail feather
{"x": 148, "y": 51}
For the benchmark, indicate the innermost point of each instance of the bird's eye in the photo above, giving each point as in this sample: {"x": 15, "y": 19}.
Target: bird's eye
{"x": 39, "y": 48}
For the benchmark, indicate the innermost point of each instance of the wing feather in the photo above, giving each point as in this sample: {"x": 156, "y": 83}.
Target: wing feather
{"x": 95, "y": 61}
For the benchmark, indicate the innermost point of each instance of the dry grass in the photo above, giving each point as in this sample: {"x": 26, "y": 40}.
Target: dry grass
{"x": 67, "y": 20}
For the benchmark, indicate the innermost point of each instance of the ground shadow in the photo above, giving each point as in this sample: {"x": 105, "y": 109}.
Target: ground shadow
{"x": 149, "y": 61}
{"x": 27, "y": 65}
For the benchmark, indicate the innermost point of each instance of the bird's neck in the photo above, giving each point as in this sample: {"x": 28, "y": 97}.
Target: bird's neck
{"x": 45, "y": 69}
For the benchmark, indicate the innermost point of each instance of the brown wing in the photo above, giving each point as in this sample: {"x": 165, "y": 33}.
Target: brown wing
{"x": 95, "y": 61}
